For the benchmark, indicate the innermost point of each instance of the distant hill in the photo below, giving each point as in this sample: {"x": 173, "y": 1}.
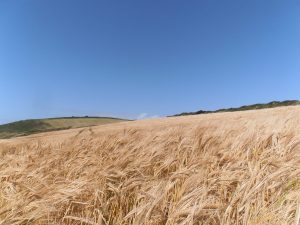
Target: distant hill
{"x": 27, "y": 127}
{"x": 246, "y": 107}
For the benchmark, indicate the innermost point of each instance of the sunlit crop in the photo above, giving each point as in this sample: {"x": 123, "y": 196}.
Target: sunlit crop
{"x": 224, "y": 168}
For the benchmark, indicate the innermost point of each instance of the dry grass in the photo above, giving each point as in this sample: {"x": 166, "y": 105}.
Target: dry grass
{"x": 228, "y": 168}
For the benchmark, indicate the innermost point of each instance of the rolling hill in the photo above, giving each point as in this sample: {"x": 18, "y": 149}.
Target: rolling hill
{"x": 27, "y": 127}
{"x": 273, "y": 104}
{"x": 220, "y": 168}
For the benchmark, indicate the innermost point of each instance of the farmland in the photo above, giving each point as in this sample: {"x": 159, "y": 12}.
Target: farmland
{"x": 33, "y": 126}
{"x": 222, "y": 168}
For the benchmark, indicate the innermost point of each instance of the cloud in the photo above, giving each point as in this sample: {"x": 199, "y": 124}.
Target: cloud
{"x": 146, "y": 116}
{"x": 142, "y": 116}
{"x": 154, "y": 116}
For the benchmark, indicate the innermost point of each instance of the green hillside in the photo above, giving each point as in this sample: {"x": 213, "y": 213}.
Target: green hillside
{"x": 27, "y": 127}
{"x": 246, "y": 107}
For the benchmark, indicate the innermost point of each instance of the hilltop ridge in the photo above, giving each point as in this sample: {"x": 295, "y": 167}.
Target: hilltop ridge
{"x": 272, "y": 104}
{"x": 33, "y": 126}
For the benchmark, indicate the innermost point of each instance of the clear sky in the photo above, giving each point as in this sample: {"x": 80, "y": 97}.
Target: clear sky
{"x": 159, "y": 57}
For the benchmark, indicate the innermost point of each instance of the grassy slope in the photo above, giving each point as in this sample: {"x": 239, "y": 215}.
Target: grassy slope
{"x": 223, "y": 168}
{"x": 273, "y": 104}
{"x": 27, "y": 127}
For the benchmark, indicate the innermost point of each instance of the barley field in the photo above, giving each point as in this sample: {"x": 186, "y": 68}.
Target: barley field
{"x": 223, "y": 168}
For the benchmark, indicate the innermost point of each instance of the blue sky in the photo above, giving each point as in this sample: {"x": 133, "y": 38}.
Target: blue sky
{"x": 131, "y": 58}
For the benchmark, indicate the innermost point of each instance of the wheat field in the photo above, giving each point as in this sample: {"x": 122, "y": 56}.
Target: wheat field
{"x": 224, "y": 168}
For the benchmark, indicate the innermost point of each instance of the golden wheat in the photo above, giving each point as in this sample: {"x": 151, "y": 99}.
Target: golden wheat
{"x": 226, "y": 168}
